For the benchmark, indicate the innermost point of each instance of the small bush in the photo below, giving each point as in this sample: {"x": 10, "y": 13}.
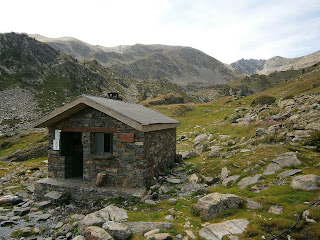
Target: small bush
{"x": 314, "y": 140}
{"x": 263, "y": 99}
{"x": 194, "y": 211}
{"x": 65, "y": 198}
{"x": 290, "y": 96}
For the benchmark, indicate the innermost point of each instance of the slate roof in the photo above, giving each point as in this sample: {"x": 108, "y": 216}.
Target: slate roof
{"x": 134, "y": 115}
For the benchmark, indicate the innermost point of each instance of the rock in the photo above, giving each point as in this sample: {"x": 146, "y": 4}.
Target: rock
{"x": 21, "y": 211}
{"x": 200, "y": 138}
{"x": 153, "y": 231}
{"x": 218, "y": 230}
{"x": 275, "y": 210}
{"x": 65, "y": 229}
{"x": 173, "y": 180}
{"x": 186, "y": 155}
{"x": 8, "y": 223}
{"x": 169, "y": 218}
{"x": 215, "y": 149}
{"x": 209, "y": 180}
{"x": 43, "y": 204}
{"x": 118, "y": 231}
{"x": 77, "y": 217}
{"x": 193, "y": 178}
{"x": 231, "y": 179}
{"x": 58, "y": 225}
{"x": 289, "y": 173}
{"x": 39, "y": 216}
{"x": 274, "y": 129}
{"x": 101, "y": 178}
{"x": 243, "y": 183}
{"x": 160, "y": 236}
{"x": 172, "y": 200}
{"x": 306, "y": 216}
{"x": 210, "y": 205}
{"x": 98, "y": 218}
{"x": 22, "y": 194}
{"x": 96, "y": 233}
{"x": 79, "y": 237}
{"x": 26, "y": 231}
{"x": 283, "y": 160}
{"x": 190, "y": 234}
{"x": 164, "y": 189}
{"x": 261, "y": 132}
{"x": 214, "y": 154}
{"x": 305, "y": 182}
{"x": 53, "y": 196}
{"x": 10, "y": 200}
{"x": 224, "y": 173}
{"x": 142, "y": 227}
{"x": 199, "y": 148}
{"x": 253, "y": 204}
{"x": 150, "y": 202}
{"x": 3, "y": 218}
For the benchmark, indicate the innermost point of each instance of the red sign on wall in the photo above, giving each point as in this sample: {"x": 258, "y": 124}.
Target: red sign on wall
{"x": 126, "y": 137}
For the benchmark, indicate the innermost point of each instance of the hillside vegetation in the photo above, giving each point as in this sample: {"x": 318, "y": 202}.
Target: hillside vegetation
{"x": 228, "y": 146}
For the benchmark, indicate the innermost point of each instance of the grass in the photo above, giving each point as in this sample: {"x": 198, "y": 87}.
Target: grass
{"x": 22, "y": 141}
{"x": 213, "y": 118}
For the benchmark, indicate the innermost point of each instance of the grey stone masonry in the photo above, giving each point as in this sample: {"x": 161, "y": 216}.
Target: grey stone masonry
{"x": 131, "y": 163}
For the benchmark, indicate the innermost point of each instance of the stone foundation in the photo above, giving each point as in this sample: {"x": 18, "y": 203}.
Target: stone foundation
{"x": 82, "y": 191}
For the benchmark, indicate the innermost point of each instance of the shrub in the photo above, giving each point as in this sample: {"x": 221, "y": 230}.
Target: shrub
{"x": 65, "y": 198}
{"x": 314, "y": 140}
{"x": 263, "y": 99}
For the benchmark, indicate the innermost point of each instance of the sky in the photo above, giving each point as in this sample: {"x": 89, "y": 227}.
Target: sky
{"x": 227, "y": 30}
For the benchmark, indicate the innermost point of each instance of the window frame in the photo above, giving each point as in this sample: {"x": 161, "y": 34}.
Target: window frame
{"x": 100, "y": 147}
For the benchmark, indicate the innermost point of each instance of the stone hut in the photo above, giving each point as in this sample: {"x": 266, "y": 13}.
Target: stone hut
{"x": 126, "y": 142}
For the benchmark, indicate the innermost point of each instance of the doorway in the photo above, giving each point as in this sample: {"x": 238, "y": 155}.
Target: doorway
{"x": 72, "y": 150}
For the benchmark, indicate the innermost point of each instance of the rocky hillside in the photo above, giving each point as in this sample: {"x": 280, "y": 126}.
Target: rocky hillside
{"x": 44, "y": 79}
{"x": 260, "y": 82}
{"x": 180, "y": 65}
{"x": 249, "y": 169}
{"x": 253, "y": 66}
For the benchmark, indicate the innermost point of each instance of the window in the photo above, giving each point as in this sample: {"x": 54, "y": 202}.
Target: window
{"x": 103, "y": 143}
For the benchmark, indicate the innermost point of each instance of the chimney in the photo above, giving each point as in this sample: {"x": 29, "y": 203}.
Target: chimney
{"x": 114, "y": 96}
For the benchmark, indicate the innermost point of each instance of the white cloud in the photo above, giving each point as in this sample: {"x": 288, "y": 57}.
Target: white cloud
{"x": 227, "y": 30}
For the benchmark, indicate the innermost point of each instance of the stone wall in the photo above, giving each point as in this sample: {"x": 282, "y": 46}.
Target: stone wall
{"x": 131, "y": 164}
{"x": 160, "y": 149}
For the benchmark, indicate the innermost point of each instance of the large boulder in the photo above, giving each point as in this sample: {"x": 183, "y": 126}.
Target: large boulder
{"x": 249, "y": 181}
{"x": 96, "y": 233}
{"x": 288, "y": 159}
{"x": 200, "y": 138}
{"x": 210, "y": 205}
{"x": 218, "y": 230}
{"x": 231, "y": 180}
{"x": 142, "y": 227}
{"x": 10, "y": 200}
{"x": 305, "y": 182}
{"x": 98, "y": 218}
{"x": 160, "y": 236}
{"x": 118, "y": 231}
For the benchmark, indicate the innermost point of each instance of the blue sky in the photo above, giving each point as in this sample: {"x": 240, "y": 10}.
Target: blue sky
{"x": 227, "y": 30}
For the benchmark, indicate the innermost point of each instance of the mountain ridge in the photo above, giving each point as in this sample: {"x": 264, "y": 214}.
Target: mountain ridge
{"x": 175, "y": 63}
{"x": 276, "y": 63}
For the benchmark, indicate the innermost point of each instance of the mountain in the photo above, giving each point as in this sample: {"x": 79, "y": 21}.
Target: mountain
{"x": 248, "y": 66}
{"x": 253, "y": 66}
{"x": 35, "y": 78}
{"x": 256, "y": 83}
{"x": 178, "y": 64}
